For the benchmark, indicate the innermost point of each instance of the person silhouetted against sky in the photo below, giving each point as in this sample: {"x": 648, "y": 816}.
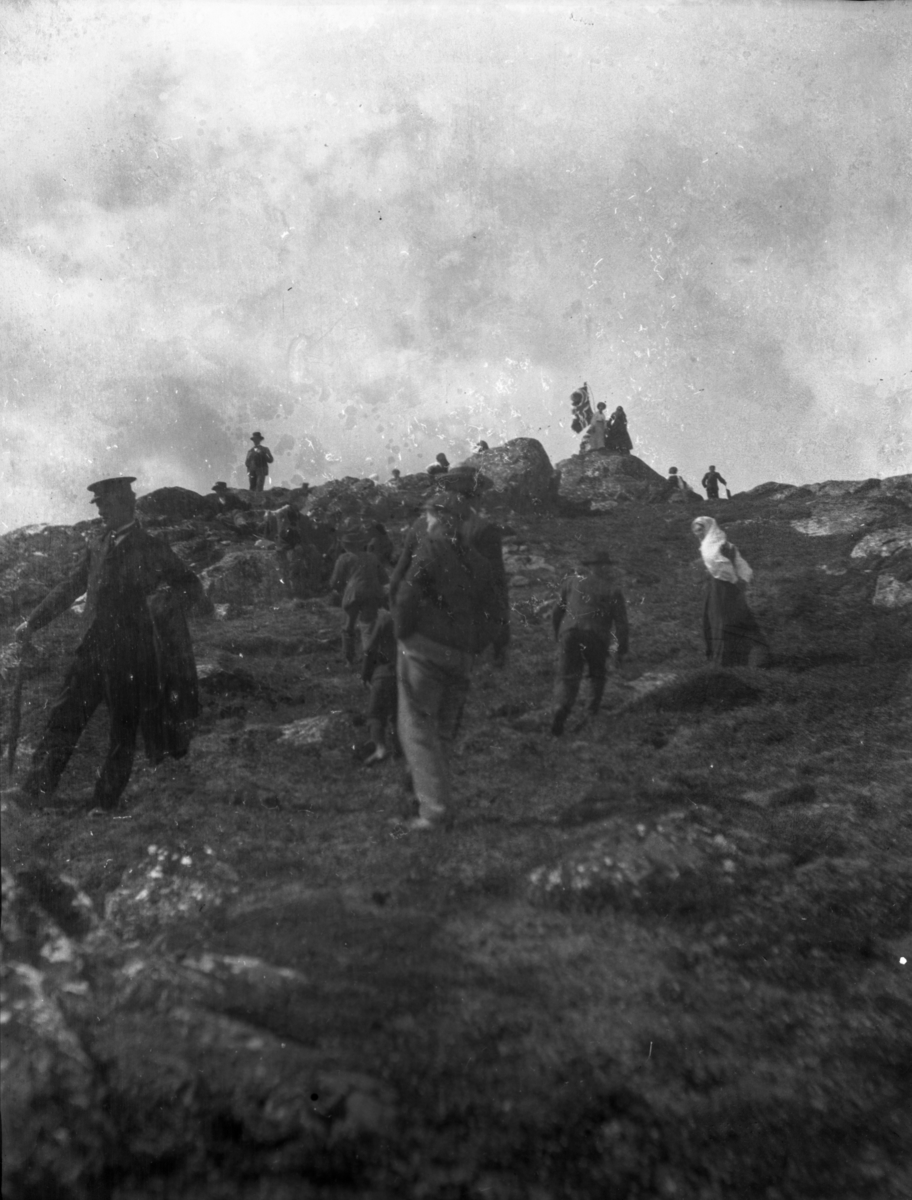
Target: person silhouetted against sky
{"x": 710, "y": 483}
{"x": 257, "y": 462}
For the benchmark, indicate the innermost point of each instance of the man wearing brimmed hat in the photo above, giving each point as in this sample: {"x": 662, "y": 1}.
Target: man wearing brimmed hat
{"x": 466, "y": 484}
{"x": 226, "y": 500}
{"x": 257, "y": 462}
{"x": 591, "y": 605}
{"x": 135, "y": 654}
{"x": 447, "y": 609}
{"x": 358, "y": 579}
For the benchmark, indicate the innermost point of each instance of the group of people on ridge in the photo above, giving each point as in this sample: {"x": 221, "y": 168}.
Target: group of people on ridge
{"x": 600, "y": 432}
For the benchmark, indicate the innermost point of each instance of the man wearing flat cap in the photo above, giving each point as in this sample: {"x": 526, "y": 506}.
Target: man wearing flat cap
{"x": 591, "y": 605}
{"x": 135, "y": 653}
{"x": 257, "y": 462}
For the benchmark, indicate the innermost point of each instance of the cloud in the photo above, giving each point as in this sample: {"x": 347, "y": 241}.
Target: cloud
{"x": 378, "y": 231}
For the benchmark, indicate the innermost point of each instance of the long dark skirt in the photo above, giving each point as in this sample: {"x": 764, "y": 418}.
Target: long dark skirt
{"x": 733, "y": 637}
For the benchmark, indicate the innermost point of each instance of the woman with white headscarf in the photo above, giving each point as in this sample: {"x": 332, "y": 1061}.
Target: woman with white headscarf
{"x": 733, "y": 637}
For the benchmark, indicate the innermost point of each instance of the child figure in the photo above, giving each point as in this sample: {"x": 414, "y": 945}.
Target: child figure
{"x": 359, "y": 579}
{"x": 379, "y": 670}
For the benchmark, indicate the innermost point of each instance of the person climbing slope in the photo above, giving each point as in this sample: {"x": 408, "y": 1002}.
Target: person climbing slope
{"x": 731, "y": 633}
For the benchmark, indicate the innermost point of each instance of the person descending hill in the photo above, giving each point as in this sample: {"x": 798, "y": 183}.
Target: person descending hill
{"x": 358, "y": 579}
{"x": 731, "y": 633}
{"x": 710, "y": 482}
{"x": 446, "y": 610}
{"x": 590, "y": 607}
{"x": 466, "y": 484}
{"x": 135, "y": 653}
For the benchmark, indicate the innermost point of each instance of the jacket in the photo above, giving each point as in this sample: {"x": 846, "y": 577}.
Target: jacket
{"x": 449, "y": 597}
{"x": 486, "y": 539}
{"x": 358, "y": 577}
{"x": 593, "y": 604}
{"x": 137, "y": 591}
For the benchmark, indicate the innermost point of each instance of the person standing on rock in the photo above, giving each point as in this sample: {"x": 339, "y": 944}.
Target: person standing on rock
{"x": 710, "y": 483}
{"x": 136, "y": 653}
{"x": 616, "y": 436}
{"x": 597, "y": 428}
{"x": 447, "y": 609}
{"x": 730, "y": 630}
{"x": 257, "y": 462}
{"x": 358, "y": 578}
{"x": 590, "y": 608}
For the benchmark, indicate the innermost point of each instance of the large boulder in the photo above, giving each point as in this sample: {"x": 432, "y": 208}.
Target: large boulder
{"x": 247, "y": 578}
{"x": 606, "y": 480}
{"x": 521, "y": 473}
{"x": 341, "y": 499}
{"x": 34, "y": 559}
{"x": 175, "y": 503}
{"x": 407, "y": 494}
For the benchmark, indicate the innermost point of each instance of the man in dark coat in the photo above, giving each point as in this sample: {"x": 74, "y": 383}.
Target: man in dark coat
{"x": 257, "y": 462}
{"x": 136, "y": 653}
{"x": 358, "y": 579}
{"x": 591, "y": 604}
{"x": 710, "y": 482}
{"x": 465, "y": 484}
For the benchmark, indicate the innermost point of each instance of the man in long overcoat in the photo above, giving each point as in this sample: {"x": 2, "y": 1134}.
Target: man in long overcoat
{"x": 135, "y": 654}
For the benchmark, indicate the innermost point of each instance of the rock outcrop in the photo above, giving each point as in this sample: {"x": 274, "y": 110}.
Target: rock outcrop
{"x": 248, "y": 577}
{"x": 521, "y": 473}
{"x": 606, "y": 480}
{"x": 35, "y": 558}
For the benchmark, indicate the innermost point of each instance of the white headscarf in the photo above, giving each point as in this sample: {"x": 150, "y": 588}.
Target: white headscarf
{"x": 719, "y": 565}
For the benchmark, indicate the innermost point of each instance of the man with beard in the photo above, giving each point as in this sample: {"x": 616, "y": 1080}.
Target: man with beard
{"x": 447, "y": 609}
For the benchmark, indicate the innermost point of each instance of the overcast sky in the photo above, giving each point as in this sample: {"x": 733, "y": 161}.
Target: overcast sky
{"x": 374, "y": 232}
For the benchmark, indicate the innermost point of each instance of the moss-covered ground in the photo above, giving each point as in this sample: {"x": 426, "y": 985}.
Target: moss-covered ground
{"x": 734, "y": 1027}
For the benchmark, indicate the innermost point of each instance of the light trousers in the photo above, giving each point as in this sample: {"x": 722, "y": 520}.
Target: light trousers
{"x": 432, "y": 697}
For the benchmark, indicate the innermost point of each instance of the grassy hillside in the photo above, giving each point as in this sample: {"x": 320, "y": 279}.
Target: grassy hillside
{"x": 662, "y": 956}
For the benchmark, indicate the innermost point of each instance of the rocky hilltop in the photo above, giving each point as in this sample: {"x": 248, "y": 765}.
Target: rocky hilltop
{"x": 664, "y": 956}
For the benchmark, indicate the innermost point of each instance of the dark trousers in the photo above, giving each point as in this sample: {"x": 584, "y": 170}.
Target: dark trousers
{"x": 712, "y": 491}
{"x": 382, "y": 707}
{"x": 579, "y": 649}
{"x": 85, "y": 685}
{"x": 357, "y": 614}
